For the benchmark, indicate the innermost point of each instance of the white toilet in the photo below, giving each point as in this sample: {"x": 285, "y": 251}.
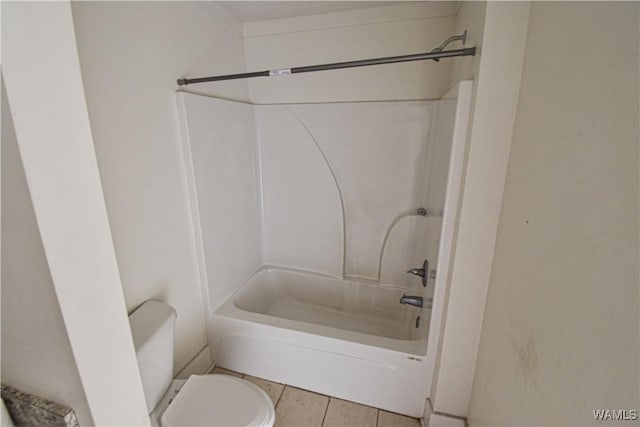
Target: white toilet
{"x": 202, "y": 400}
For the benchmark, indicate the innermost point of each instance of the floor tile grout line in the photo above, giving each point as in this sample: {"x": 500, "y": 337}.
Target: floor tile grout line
{"x": 324, "y": 417}
{"x": 285, "y": 386}
{"x": 280, "y": 397}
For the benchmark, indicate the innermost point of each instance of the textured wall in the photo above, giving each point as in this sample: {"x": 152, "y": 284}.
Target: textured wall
{"x": 560, "y": 335}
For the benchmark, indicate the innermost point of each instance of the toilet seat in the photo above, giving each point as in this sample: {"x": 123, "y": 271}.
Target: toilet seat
{"x": 219, "y": 400}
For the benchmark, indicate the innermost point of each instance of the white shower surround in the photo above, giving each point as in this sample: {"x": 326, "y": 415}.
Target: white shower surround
{"x": 234, "y": 242}
{"x": 352, "y": 170}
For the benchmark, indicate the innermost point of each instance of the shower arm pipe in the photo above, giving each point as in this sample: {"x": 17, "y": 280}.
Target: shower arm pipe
{"x": 462, "y": 37}
{"x": 435, "y": 55}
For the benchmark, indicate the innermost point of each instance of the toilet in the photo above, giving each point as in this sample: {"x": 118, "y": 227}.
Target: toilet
{"x": 201, "y": 400}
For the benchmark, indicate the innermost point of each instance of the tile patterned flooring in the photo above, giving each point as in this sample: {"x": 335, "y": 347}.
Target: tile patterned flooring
{"x": 300, "y": 408}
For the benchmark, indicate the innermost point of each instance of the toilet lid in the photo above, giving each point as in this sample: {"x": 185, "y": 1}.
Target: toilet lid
{"x": 219, "y": 400}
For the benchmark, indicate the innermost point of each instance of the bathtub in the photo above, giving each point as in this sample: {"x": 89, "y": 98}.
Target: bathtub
{"x": 343, "y": 338}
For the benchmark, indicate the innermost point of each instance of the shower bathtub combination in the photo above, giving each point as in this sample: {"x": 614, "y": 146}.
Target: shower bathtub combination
{"x": 306, "y": 219}
{"x": 328, "y": 335}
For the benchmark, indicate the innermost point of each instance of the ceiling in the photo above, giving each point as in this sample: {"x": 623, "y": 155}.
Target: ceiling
{"x": 252, "y": 11}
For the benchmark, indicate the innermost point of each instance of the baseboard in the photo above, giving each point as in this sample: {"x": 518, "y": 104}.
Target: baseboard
{"x": 439, "y": 419}
{"x": 199, "y": 365}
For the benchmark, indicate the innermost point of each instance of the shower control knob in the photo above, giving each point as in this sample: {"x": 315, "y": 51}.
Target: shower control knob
{"x": 416, "y": 272}
{"x": 421, "y": 272}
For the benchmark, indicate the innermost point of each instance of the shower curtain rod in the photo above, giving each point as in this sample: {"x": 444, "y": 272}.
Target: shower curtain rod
{"x": 435, "y": 54}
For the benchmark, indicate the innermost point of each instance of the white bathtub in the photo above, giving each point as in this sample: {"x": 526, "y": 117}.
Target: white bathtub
{"x": 343, "y": 338}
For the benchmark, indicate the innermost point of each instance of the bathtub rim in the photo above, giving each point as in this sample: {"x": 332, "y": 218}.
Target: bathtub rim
{"x": 356, "y": 279}
{"x": 414, "y": 348}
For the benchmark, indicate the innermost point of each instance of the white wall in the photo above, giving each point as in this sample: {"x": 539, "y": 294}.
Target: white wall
{"x": 131, "y": 54}
{"x": 349, "y": 35}
{"x": 495, "y": 99}
{"x": 36, "y": 354}
{"x": 56, "y": 147}
{"x": 560, "y": 335}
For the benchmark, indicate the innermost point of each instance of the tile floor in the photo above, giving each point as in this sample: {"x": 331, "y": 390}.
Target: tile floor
{"x": 300, "y": 408}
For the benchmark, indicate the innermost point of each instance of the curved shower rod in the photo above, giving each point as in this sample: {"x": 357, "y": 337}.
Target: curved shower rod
{"x": 434, "y": 54}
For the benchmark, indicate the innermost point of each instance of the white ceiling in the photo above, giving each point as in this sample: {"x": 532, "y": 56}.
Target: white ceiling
{"x": 252, "y": 11}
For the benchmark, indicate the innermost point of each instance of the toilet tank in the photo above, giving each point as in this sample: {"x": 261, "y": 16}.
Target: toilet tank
{"x": 152, "y": 327}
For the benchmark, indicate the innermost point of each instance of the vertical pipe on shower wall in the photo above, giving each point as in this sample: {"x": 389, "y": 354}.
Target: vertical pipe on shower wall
{"x": 392, "y": 224}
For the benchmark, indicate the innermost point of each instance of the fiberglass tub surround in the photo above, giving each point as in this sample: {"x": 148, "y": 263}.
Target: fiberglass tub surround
{"x": 307, "y": 218}
{"x": 327, "y": 301}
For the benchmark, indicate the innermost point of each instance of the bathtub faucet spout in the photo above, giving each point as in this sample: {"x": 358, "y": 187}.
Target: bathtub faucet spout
{"x": 413, "y": 300}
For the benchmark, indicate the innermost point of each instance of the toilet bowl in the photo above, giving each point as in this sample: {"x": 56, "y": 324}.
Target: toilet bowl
{"x": 202, "y": 400}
